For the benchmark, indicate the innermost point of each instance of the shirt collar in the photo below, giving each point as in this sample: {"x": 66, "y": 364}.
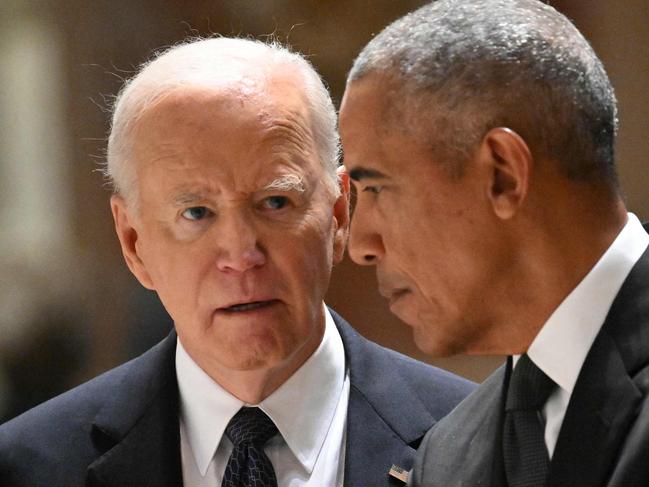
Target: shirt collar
{"x": 560, "y": 348}
{"x": 302, "y": 408}
{"x": 205, "y": 408}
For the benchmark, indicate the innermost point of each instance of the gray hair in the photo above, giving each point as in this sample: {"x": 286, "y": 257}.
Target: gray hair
{"x": 471, "y": 65}
{"x": 212, "y": 63}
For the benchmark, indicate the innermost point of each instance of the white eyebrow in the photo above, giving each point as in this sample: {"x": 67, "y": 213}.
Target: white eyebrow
{"x": 288, "y": 182}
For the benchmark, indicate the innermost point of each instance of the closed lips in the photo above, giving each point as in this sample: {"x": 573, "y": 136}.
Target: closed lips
{"x": 248, "y": 306}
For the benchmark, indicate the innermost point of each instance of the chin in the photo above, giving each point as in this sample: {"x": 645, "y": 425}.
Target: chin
{"x": 429, "y": 347}
{"x": 252, "y": 360}
{"x": 433, "y": 344}
{"x": 406, "y": 317}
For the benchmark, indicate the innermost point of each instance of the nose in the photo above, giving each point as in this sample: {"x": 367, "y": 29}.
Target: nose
{"x": 239, "y": 248}
{"x": 365, "y": 241}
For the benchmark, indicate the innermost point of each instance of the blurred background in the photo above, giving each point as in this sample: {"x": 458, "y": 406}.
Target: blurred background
{"x": 69, "y": 309}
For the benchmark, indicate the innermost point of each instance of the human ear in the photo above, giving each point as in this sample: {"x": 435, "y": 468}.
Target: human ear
{"x": 508, "y": 161}
{"x": 341, "y": 216}
{"x": 128, "y": 238}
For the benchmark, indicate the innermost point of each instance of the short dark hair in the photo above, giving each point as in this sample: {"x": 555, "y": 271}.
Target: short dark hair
{"x": 488, "y": 63}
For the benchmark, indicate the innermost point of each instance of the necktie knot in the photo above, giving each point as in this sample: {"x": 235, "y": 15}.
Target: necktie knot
{"x": 529, "y": 387}
{"x": 250, "y": 425}
{"x": 248, "y": 465}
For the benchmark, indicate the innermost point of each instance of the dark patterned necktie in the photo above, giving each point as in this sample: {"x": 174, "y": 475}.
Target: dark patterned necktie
{"x": 525, "y": 454}
{"x": 248, "y": 466}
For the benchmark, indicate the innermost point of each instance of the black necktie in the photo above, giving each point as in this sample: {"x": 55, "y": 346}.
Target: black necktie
{"x": 248, "y": 466}
{"x": 525, "y": 455}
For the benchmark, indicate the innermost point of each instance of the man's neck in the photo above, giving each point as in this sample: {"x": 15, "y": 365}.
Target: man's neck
{"x": 255, "y": 385}
{"x": 556, "y": 252}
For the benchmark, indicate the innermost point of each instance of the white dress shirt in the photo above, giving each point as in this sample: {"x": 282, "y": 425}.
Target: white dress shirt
{"x": 561, "y": 346}
{"x": 309, "y": 410}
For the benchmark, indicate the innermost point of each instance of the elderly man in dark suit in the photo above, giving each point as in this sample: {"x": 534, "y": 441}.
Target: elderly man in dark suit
{"x": 479, "y": 135}
{"x": 227, "y": 203}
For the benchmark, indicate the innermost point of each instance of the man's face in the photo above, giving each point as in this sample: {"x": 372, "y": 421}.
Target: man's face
{"x": 427, "y": 233}
{"x": 236, "y": 228}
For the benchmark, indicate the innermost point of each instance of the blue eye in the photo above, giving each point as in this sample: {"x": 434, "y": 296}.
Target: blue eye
{"x": 275, "y": 202}
{"x": 195, "y": 213}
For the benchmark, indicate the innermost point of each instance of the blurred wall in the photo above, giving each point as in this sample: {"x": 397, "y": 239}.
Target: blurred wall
{"x": 70, "y": 309}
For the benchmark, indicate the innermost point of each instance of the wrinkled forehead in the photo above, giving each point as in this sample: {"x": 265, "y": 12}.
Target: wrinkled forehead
{"x": 237, "y": 134}
{"x": 267, "y": 114}
{"x": 261, "y": 98}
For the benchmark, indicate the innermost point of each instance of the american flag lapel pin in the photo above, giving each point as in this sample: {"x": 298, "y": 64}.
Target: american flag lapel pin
{"x": 398, "y": 473}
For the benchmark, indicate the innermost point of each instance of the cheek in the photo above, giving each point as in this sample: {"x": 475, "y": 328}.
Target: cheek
{"x": 406, "y": 243}
{"x": 170, "y": 268}
{"x": 178, "y": 276}
{"x": 316, "y": 237}
{"x": 308, "y": 257}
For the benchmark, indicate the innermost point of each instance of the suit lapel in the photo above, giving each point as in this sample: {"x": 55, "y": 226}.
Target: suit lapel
{"x": 372, "y": 447}
{"x": 464, "y": 449}
{"x": 633, "y": 466}
{"x": 602, "y": 407}
{"x": 606, "y": 397}
{"x": 138, "y": 428}
{"x": 378, "y": 433}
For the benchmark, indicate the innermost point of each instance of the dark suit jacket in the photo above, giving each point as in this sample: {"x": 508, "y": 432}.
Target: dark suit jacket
{"x": 121, "y": 429}
{"x": 604, "y": 439}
